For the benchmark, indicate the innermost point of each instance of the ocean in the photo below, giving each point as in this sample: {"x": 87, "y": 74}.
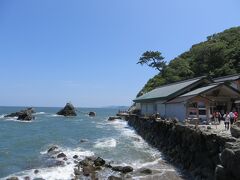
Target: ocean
{"x": 24, "y": 145}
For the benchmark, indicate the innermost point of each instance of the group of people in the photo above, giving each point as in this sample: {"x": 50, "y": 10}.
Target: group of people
{"x": 229, "y": 118}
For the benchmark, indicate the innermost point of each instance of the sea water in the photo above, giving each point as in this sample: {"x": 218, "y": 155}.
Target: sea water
{"x": 24, "y": 145}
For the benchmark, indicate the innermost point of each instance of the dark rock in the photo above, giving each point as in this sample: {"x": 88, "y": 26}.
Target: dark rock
{"x": 220, "y": 173}
{"x": 13, "y": 178}
{"x": 92, "y": 114}
{"x": 127, "y": 169}
{"x": 112, "y": 118}
{"x": 52, "y": 149}
{"x": 65, "y": 159}
{"x": 77, "y": 172}
{"x": 87, "y": 170}
{"x": 99, "y": 162}
{"x": 235, "y": 129}
{"x": 68, "y": 110}
{"x": 36, "y": 171}
{"x": 114, "y": 178}
{"x": 83, "y": 140}
{"x": 75, "y": 156}
{"x": 117, "y": 168}
{"x": 26, "y": 178}
{"x": 108, "y": 165}
{"x": 38, "y": 179}
{"x": 61, "y": 155}
{"x": 23, "y": 115}
{"x": 85, "y": 162}
{"x": 59, "y": 163}
{"x": 146, "y": 171}
{"x": 227, "y": 158}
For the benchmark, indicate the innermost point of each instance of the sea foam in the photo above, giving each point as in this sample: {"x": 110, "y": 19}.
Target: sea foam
{"x": 106, "y": 143}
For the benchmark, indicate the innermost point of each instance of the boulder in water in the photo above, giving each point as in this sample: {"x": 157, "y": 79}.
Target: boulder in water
{"x": 61, "y": 155}
{"x": 68, "y": 110}
{"x": 23, "y": 115}
{"x": 92, "y": 113}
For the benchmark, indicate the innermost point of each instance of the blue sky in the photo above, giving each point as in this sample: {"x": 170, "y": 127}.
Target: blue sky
{"x": 85, "y": 51}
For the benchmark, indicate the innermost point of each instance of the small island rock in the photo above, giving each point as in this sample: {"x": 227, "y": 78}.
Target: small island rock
{"x": 68, "y": 110}
{"x": 92, "y": 114}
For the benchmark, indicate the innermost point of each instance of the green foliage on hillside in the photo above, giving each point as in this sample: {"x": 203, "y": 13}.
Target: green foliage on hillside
{"x": 218, "y": 56}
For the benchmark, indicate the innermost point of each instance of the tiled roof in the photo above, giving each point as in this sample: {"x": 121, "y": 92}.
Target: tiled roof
{"x": 227, "y": 78}
{"x": 164, "y": 91}
{"x": 200, "y": 90}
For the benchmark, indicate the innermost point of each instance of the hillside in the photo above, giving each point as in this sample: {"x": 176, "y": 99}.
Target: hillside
{"x": 218, "y": 56}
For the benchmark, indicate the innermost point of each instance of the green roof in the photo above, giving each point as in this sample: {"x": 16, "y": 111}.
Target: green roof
{"x": 163, "y": 92}
{"x": 200, "y": 90}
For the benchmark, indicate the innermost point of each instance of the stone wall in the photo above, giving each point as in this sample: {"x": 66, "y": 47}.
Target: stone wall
{"x": 206, "y": 155}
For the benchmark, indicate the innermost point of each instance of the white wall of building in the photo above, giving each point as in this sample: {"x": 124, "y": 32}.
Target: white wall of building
{"x": 147, "y": 108}
{"x": 161, "y": 109}
{"x": 177, "y": 110}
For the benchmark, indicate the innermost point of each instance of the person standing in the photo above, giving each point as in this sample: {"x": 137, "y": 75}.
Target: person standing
{"x": 232, "y": 117}
{"x": 226, "y": 120}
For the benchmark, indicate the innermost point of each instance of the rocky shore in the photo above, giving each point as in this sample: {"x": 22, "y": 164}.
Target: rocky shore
{"x": 199, "y": 150}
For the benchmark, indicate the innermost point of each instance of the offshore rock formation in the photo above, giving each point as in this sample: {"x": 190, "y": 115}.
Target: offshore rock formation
{"x": 197, "y": 150}
{"x": 92, "y": 114}
{"x": 68, "y": 110}
{"x": 23, "y": 115}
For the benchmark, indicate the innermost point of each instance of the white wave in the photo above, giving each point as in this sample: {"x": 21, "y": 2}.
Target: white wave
{"x": 56, "y": 173}
{"x": 55, "y": 115}
{"x": 2, "y": 116}
{"x": 39, "y": 113}
{"x": 106, "y": 143}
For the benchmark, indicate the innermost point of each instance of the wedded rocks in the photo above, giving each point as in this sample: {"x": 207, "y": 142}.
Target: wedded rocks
{"x": 68, "y": 110}
{"x": 235, "y": 129}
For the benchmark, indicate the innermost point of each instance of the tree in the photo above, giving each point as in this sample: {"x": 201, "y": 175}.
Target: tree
{"x": 153, "y": 59}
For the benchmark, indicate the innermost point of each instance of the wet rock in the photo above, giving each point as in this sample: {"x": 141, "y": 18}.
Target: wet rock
{"x": 68, "y": 110}
{"x": 92, "y": 113}
{"x": 85, "y": 162}
{"x": 235, "y": 129}
{"x": 59, "y": 163}
{"x": 77, "y": 172}
{"x": 36, "y": 171}
{"x": 52, "y": 149}
{"x": 23, "y": 115}
{"x": 83, "y": 140}
{"x": 75, "y": 156}
{"x": 112, "y": 118}
{"x": 99, "y": 162}
{"x": 38, "y": 179}
{"x": 13, "y": 178}
{"x": 87, "y": 170}
{"x": 117, "y": 168}
{"x": 27, "y": 178}
{"x": 61, "y": 155}
{"x": 146, "y": 171}
{"x": 114, "y": 178}
{"x": 127, "y": 169}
